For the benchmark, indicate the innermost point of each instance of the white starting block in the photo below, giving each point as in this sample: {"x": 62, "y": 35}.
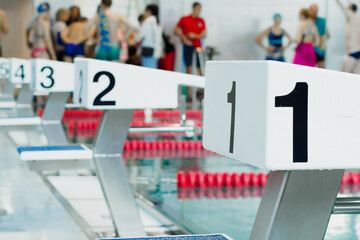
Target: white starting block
{"x": 187, "y": 237}
{"x": 19, "y": 75}
{"x": 300, "y": 123}
{"x": 119, "y": 89}
{"x": 7, "y": 89}
{"x": 57, "y": 80}
{"x": 39, "y": 153}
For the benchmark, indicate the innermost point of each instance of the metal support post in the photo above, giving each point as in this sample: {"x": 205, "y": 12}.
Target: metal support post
{"x": 297, "y": 205}
{"x": 112, "y": 174}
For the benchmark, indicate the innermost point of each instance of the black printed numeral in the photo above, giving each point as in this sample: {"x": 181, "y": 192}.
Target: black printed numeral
{"x": 232, "y": 100}
{"x": 298, "y": 100}
{"x": 97, "y": 100}
{"x": 49, "y": 76}
{"x": 20, "y": 72}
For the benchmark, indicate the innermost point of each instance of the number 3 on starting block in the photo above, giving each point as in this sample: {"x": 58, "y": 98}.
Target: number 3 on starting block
{"x": 20, "y": 71}
{"x": 52, "y": 76}
{"x": 282, "y": 116}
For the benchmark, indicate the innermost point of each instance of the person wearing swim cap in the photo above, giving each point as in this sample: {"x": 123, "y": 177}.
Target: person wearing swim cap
{"x": 4, "y": 27}
{"x": 275, "y": 34}
{"x": 351, "y": 61}
{"x": 41, "y": 42}
{"x": 107, "y": 25}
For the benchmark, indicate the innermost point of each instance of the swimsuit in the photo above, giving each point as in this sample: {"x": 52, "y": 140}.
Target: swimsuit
{"x": 73, "y": 50}
{"x": 37, "y": 50}
{"x": 105, "y": 50}
{"x": 277, "y": 42}
{"x": 355, "y": 54}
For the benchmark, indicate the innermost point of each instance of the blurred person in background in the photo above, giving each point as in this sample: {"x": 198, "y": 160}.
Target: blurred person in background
{"x": 62, "y": 16}
{"x": 40, "y": 41}
{"x": 29, "y": 41}
{"x": 150, "y": 37}
{"x": 75, "y": 15}
{"x": 275, "y": 35}
{"x": 74, "y": 37}
{"x": 191, "y": 29}
{"x": 351, "y": 61}
{"x": 107, "y": 25}
{"x": 4, "y": 27}
{"x": 167, "y": 62}
{"x": 40, "y": 36}
{"x": 323, "y": 33}
{"x": 307, "y": 37}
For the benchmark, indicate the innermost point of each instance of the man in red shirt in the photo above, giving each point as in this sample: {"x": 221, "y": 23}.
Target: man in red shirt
{"x": 191, "y": 29}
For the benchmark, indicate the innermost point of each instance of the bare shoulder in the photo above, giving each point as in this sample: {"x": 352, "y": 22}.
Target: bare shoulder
{"x": 2, "y": 13}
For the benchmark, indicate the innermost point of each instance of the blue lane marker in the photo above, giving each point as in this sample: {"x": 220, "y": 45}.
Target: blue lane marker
{"x": 190, "y": 237}
{"x": 50, "y": 148}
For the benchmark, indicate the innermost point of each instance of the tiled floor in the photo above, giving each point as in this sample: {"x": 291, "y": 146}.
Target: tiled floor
{"x": 28, "y": 210}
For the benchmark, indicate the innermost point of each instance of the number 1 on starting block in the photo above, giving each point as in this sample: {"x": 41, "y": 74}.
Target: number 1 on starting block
{"x": 281, "y": 116}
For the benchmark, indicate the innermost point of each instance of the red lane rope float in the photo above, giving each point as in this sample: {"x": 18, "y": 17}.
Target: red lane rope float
{"x": 163, "y": 145}
{"x": 205, "y": 180}
{"x": 241, "y": 192}
{"x": 200, "y": 179}
{"x": 139, "y": 115}
{"x": 141, "y": 154}
{"x": 219, "y": 192}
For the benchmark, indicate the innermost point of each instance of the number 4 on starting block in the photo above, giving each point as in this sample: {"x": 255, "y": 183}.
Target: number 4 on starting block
{"x": 281, "y": 116}
{"x": 188, "y": 237}
{"x": 20, "y": 71}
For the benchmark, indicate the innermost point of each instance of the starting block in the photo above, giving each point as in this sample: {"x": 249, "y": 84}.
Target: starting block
{"x": 188, "y": 237}
{"x": 55, "y": 79}
{"x": 39, "y": 153}
{"x": 300, "y": 123}
{"x": 119, "y": 89}
{"x": 20, "y": 75}
{"x": 41, "y": 158}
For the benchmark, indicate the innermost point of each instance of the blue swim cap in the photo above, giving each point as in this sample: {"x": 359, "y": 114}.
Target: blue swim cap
{"x": 276, "y": 16}
{"x": 43, "y": 7}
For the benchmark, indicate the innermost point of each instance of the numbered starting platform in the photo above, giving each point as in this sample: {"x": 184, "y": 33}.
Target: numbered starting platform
{"x": 251, "y": 120}
{"x": 16, "y": 73}
{"x": 299, "y": 123}
{"x": 112, "y": 87}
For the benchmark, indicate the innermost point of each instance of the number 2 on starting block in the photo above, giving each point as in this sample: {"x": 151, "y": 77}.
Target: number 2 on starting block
{"x": 108, "y": 85}
{"x": 281, "y": 116}
{"x": 52, "y": 76}
{"x": 20, "y": 71}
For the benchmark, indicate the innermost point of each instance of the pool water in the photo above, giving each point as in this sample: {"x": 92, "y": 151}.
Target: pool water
{"x": 206, "y": 211}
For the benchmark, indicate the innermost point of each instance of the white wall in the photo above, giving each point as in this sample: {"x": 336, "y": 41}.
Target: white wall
{"x": 336, "y": 43}
{"x": 18, "y": 13}
{"x": 233, "y": 24}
